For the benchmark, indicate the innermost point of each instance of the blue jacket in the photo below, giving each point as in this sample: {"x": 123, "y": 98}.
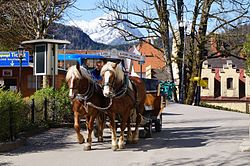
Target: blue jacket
{"x": 96, "y": 75}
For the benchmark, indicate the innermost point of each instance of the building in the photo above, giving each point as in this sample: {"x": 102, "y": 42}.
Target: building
{"x": 227, "y": 83}
{"x": 11, "y": 78}
{"x": 154, "y": 61}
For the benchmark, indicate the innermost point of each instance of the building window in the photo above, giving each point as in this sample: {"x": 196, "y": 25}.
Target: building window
{"x": 32, "y": 82}
{"x": 229, "y": 83}
{"x": 204, "y": 83}
{"x": 7, "y": 73}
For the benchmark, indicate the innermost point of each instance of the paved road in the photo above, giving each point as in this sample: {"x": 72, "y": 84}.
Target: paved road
{"x": 190, "y": 136}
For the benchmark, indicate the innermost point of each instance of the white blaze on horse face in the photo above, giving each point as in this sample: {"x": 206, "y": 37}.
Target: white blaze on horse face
{"x": 71, "y": 86}
{"x": 106, "y": 88}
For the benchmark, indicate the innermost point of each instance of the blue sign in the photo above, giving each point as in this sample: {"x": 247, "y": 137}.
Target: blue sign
{"x": 10, "y": 59}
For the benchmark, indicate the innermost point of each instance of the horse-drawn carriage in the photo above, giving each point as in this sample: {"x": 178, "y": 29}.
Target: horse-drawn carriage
{"x": 154, "y": 105}
{"x": 119, "y": 94}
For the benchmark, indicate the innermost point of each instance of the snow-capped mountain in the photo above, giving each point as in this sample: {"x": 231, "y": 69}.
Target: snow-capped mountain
{"x": 98, "y": 30}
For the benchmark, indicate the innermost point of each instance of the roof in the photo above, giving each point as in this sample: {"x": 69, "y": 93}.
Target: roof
{"x": 219, "y": 61}
{"x": 46, "y": 41}
{"x": 153, "y": 57}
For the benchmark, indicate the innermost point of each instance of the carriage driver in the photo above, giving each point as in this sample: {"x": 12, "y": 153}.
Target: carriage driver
{"x": 96, "y": 73}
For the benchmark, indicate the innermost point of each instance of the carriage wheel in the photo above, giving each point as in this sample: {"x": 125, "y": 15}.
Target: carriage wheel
{"x": 158, "y": 124}
{"x": 148, "y": 130}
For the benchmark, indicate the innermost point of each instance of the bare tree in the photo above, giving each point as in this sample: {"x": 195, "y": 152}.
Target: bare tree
{"x": 38, "y": 15}
{"x": 217, "y": 14}
{"x": 158, "y": 16}
{"x": 30, "y": 19}
{"x": 153, "y": 16}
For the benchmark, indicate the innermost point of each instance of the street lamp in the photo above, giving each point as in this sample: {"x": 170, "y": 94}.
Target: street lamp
{"x": 182, "y": 80}
{"x": 20, "y": 54}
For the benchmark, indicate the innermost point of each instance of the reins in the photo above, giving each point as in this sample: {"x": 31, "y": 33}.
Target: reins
{"x": 101, "y": 108}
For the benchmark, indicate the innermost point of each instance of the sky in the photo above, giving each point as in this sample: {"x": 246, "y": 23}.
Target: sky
{"x": 87, "y": 11}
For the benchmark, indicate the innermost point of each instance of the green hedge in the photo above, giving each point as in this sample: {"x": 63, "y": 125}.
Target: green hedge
{"x": 12, "y": 103}
{"x": 58, "y": 104}
{"x": 58, "y": 108}
{"x": 202, "y": 104}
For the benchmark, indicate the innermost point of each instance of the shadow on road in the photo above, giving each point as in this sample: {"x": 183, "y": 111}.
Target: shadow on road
{"x": 175, "y": 138}
{"x": 165, "y": 113}
{"x": 49, "y": 140}
{"x": 215, "y": 159}
{"x": 5, "y": 163}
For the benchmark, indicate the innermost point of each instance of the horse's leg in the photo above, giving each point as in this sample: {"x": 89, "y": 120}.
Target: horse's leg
{"x": 90, "y": 127}
{"x": 100, "y": 125}
{"x": 113, "y": 130}
{"x": 129, "y": 132}
{"x": 138, "y": 121}
{"x": 77, "y": 127}
{"x": 121, "y": 139}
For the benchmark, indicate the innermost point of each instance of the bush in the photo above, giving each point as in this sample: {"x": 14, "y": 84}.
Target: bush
{"x": 63, "y": 104}
{"x": 58, "y": 104}
{"x": 12, "y": 106}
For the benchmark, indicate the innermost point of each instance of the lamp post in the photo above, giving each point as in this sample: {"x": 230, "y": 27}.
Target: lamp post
{"x": 20, "y": 54}
{"x": 182, "y": 80}
{"x": 64, "y": 51}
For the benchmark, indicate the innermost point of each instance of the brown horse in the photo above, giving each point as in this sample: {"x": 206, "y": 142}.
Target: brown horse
{"x": 84, "y": 90}
{"x": 128, "y": 94}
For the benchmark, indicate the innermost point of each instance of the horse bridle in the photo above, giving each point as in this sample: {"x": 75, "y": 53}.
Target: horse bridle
{"x": 123, "y": 88}
{"x": 110, "y": 84}
{"x": 83, "y": 96}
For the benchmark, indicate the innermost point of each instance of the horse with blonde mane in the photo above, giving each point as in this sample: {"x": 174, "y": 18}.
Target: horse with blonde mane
{"x": 128, "y": 94}
{"x": 83, "y": 90}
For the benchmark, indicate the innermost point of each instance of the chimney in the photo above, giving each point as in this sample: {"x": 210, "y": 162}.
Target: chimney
{"x": 214, "y": 45}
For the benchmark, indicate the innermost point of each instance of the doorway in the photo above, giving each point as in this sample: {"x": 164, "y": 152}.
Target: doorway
{"x": 10, "y": 84}
{"x": 217, "y": 88}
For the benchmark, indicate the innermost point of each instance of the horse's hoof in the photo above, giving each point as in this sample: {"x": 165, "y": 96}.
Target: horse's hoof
{"x": 122, "y": 146}
{"x": 129, "y": 142}
{"x": 100, "y": 139}
{"x": 87, "y": 147}
{"x": 114, "y": 148}
{"x": 135, "y": 141}
{"x": 81, "y": 140}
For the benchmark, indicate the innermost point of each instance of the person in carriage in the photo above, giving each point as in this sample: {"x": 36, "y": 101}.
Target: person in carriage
{"x": 97, "y": 70}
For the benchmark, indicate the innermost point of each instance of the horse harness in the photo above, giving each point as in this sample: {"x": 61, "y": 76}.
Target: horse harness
{"x": 92, "y": 87}
{"x": 124, "y": 89}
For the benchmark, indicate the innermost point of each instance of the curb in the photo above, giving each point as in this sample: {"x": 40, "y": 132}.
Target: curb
{"x": 8, "y": 146}
{"x": 21, "y": 141}
{"x": 22, "y": 137}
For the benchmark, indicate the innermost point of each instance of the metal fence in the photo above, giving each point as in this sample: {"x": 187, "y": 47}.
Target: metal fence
{"x": 50, "y": 112}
